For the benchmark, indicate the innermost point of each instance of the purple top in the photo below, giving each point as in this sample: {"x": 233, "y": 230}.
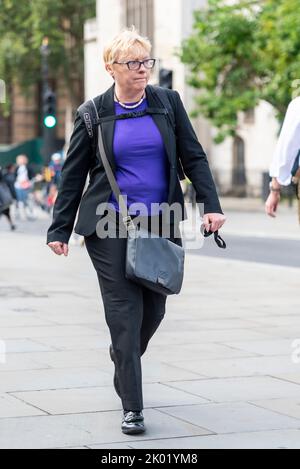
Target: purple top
{"x": 142, "y": 167}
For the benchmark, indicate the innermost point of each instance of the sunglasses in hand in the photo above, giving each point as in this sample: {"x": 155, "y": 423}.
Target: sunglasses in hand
{"x": 220, "y": 241}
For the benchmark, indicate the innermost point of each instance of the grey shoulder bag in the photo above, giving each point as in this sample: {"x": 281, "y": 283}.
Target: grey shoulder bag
{"x": 152, "y": 261}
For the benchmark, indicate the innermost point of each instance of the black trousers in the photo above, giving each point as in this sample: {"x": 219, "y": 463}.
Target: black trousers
{"x": 132, "y": 312}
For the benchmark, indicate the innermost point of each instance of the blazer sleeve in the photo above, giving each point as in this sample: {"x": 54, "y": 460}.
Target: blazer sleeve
{"x": 194, "y": 160}
{"x": 73, "y": 176}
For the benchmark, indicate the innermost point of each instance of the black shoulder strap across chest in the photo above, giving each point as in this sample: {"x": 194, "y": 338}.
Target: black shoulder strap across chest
{"x": 89, "y": 114}
{"x": 131, "y": 114}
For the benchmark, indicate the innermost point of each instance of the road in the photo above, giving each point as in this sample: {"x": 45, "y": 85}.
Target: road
{"x": 255, "y": 249}
{"x": 259, "y": 245}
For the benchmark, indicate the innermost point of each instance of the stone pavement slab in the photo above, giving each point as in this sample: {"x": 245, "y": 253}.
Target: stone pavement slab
{"x": 232, "y": 417}
{"x": 246, "y": 366}
{"x": 172, "y": 353}
{"x": 291, "y": 377}
{"x": 275, "y": 439}
{"x": 53, "y": 379}
{"x": 17, "y": 361}
{"x": 263, "y": 347}
{"x": 239, "y": 389}
{"x": 286, "y": 406}
{"x": 87, "y": 429}
{"x": 79, "y": 342}
{"x": 78, "y": 400}
{"x": 25, "y": 345}
{"x": 45, "y": 331}
{"x": 11, "y": 406}
{"x": 218, "y": 372}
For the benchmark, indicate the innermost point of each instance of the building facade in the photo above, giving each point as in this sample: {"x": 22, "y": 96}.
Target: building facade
{"x": 238, "y": 164}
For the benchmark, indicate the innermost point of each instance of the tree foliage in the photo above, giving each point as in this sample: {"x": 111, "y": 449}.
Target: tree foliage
{"x": 239, "y": 53}
{"x": 23, "y": 25}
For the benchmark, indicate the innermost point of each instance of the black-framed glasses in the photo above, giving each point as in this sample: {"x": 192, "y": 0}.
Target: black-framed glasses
{"x": 136, "y": 64}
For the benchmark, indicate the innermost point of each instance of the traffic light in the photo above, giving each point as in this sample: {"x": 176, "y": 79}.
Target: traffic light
{"x": 166, "y": 78}
{"x": 49, "y": 109}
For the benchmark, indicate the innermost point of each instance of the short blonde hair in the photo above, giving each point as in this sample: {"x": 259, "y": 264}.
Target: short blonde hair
{"x": 128, "y": 40}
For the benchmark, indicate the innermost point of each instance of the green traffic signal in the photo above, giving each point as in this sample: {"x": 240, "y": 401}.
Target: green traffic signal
{"x": 49, "y": 109}
{"x": 49, "y": 121}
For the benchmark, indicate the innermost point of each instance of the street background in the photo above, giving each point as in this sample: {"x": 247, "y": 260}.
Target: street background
{"x": 222, "y": 371}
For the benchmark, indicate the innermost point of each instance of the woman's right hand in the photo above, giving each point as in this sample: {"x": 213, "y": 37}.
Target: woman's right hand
{"x": 59, "y": 248}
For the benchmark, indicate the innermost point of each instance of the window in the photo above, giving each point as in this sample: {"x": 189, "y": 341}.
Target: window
{"x": 249, "y": 116}
{"x": 140, "y": 13}
{"x": 239, "y": 180}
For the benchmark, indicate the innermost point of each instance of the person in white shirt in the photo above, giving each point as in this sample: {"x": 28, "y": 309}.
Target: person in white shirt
{"x": 287, "y": 149}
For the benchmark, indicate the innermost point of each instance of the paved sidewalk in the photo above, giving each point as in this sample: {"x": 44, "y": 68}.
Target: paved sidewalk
{"x": 222, "y": 371}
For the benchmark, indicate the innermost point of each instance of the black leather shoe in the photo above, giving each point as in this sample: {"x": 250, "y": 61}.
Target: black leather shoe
{"x": 116, "y": 378}
{"x": 133, "y": 422}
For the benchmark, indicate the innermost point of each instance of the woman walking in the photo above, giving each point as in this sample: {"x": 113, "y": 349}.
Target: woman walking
{"x": 142, "y": 153}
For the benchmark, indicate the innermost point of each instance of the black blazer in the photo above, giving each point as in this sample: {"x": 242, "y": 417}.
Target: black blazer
{"x": 81, "y": 160}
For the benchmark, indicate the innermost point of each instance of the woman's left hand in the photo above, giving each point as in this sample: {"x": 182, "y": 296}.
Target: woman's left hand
{"x": 213, "y": 221}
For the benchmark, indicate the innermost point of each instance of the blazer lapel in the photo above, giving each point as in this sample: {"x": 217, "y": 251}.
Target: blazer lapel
{"x": 161, "y": 122}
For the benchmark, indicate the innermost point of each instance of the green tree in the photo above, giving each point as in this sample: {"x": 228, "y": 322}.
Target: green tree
{"x": 23, "y": 25}
{"x": 239, "y": 54}
{"x": 278, "y": 39}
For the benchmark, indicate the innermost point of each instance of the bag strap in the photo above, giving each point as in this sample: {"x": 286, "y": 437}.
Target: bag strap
{"x": 127, "y": 220}
{"x": 89, "y": 114}
{"x": 128, "y": 115}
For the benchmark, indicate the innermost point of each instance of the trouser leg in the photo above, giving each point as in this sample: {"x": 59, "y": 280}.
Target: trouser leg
{"x": 123, "y": 307}
{"x": 154, "y": 311}
{"x": 155, "y": 303}
{"x": 132, "y": 312}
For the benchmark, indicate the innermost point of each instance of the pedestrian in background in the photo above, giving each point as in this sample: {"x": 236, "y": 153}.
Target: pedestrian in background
{"x": 285, "y": 163}
{"x": 142, "y": 151}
